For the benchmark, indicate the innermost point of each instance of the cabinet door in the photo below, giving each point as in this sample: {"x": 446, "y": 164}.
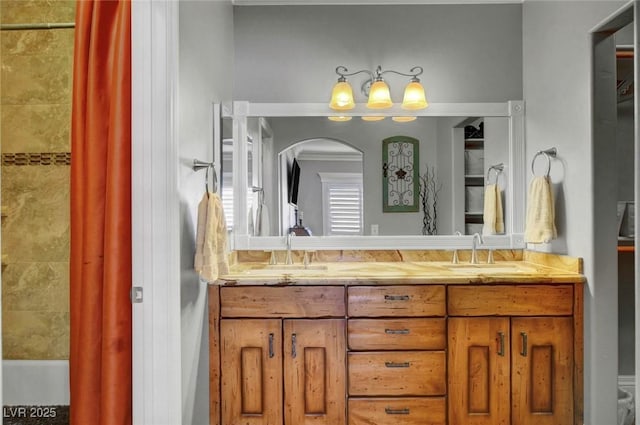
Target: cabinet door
{"x": 251, "y": 371}
{"x": 542, "y": 371}
{"x": 479, "y": 362}
{"x": 314, "y": 372}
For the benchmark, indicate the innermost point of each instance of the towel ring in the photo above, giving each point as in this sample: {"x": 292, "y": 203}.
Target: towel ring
{"x": 498, "y": 168}
{"x": 198, "y": 165}
{"x": 548, "y": 153}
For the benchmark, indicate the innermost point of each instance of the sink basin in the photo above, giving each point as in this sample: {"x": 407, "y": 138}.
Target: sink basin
{"x": 486, "y": 268}
{"x": 282, "y": 269}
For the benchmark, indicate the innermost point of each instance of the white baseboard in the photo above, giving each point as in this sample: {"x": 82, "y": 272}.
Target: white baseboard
{"x": 35, "y": 382}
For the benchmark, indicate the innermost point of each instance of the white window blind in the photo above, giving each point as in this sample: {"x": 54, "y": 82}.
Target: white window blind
{"x": 342, "y": 206}
{"x": 227, "y": 205}
{"x": 227, "y": 202}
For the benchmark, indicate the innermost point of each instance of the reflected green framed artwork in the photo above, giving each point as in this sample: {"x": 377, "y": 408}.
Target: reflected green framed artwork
{"x": 400, "y": 174}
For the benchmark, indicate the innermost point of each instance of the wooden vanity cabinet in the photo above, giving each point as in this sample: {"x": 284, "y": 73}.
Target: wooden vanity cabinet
{"x": 278, "y": 366}
{"x": 396, "y": 363}
{"x": 405, "y": 354}
{"x": 518, "y": 368}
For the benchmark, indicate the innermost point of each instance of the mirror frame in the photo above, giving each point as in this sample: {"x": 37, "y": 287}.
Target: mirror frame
{"x": 513, "y": 238}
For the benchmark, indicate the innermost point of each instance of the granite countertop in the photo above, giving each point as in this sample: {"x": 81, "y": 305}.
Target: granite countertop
{"x": 528, "y": 268}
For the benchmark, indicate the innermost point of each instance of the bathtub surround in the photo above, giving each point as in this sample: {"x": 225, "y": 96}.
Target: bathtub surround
{"x": 35, "y": 382}
{"x": 35, "y": 95}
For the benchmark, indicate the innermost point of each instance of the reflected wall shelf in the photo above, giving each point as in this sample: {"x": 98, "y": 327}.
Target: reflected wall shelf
{"x": 474, "y": 177}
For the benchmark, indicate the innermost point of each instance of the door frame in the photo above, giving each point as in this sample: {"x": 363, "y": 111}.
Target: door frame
{"x": 604, "y": 113}
{"x": 157, "y": 392}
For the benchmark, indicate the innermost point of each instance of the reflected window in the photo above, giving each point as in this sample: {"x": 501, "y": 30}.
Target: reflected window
{"x": 342, "y": 203}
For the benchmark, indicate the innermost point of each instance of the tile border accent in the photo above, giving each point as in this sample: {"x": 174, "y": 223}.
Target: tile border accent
{"x": 36, "y": 158}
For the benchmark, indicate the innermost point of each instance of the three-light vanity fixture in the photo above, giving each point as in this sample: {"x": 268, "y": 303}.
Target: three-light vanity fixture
{"x": 377, "y": 92}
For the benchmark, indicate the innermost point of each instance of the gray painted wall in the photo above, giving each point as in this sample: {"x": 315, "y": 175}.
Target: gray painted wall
{"x": 310, "y": 200}
{"x": 203, "y": 79}
{"x": 556, "y": 62}
{"x": 470, "y": 53}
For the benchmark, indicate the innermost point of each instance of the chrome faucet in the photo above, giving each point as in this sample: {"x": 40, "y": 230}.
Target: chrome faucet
{"x": 454, "y": 259}
{"x": 474, "y": 254}
{"x": 289, "y": 260}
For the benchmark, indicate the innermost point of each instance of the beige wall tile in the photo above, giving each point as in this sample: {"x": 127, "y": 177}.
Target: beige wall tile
{"x": 58, "y": 42}
{"x": 35, "y": 93}
{"x": 35, "y": 80}
{"x": 35, "y": 335}
{"x": 36, "y": 287}
{"x": 37, "y": 11}
{"x": 36, "y": 128}
{"x": 37, "y": 204}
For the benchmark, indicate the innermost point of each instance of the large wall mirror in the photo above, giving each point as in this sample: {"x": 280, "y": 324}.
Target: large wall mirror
{"x": 288, "y": 168}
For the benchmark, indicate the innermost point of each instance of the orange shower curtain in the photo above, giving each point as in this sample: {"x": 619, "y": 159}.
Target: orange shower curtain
{"x": 100, "y": 355}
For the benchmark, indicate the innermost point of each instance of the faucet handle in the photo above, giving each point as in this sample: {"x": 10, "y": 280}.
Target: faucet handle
{"x": 490, "y": 257}
{"x": 289, "y": 260}
{"x": 273, "y": 259}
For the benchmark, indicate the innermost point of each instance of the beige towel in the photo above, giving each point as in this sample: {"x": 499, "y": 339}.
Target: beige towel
{"x": 262, "y": 221}
{"x": 492, "y": 217}
{"x": 540, "y": 223}
{"x": 211, "y": 239}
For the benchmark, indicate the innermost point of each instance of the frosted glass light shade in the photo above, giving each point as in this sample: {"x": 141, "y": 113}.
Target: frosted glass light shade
{"x": 372, "y": 118}
{"x": 379, "y": 96}
{"x": 340, "y": 118}
{"x": 403, "y": 119}
{"x": 414, "y": 97}
{"x": 342, "y": 97}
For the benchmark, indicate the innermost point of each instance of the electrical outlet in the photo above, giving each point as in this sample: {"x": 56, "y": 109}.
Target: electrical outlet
{"x": 374, "y": 230}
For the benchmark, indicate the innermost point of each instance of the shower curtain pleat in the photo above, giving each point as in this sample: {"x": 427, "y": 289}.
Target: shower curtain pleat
{"x": 100, "y": 257}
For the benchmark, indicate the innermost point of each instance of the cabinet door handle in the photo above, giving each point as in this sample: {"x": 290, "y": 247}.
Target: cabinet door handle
{"x": 271, "y": 353}
{"x": 396, "y": 331}
{"x": 523, "y": 353}
{"x": 390, "y": 411}
{"x": 396, "y": 297}
{"x": 501, "y": 344}
{"x": 396, "y": 364}
{"x": 293, "y": 346}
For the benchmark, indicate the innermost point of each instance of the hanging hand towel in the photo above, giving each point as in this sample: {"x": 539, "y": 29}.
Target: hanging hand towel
{"x": 264, "y": 220}
{"x": 540, "y": 223}
{"x": 492, "y": 217}
{"x": 211, "y": 239}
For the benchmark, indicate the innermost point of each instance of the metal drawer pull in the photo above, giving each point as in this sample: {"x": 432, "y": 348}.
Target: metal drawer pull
{"x": 271, "y": 354}
{"x": 396, "y": 331}
{"x": 293, "y": 346}
{"x": 524, "y": 344}
{"x": 390, "y": 411}
{"x": 394, "y": 364}
{"x": 396, "y": 297}
{"x": 501, "y": 344}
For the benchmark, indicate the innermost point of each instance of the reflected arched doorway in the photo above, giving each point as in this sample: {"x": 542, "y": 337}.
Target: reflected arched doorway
{"x": 321, "y": 188}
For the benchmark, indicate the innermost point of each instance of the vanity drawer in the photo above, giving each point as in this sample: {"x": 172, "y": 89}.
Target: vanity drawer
{"x": 397, "y": 411}
{"x": 397, "y": 334}
{"x": 398, "y": 373}
{"x": 292, "y": 301}
{"x": 510, "y": 300}
{"x": 397, "y": 300}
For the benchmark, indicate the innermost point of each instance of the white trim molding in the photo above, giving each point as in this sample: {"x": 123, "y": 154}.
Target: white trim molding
{"x": 515, "y": 211}
{"x": 157, "y": 392}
